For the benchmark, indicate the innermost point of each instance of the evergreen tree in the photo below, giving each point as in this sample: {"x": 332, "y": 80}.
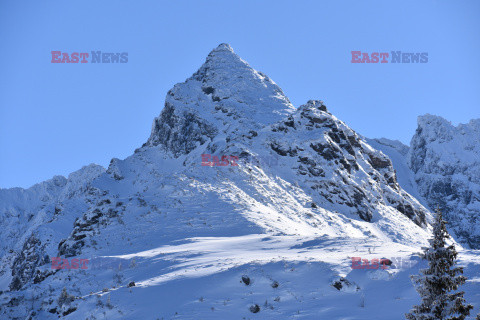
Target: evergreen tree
{"x": 438, "y": 284}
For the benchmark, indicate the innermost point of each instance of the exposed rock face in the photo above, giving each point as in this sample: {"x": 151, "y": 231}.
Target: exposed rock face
{"x": 98, "y": 215}
{"x": 397, "y": 152}
{"x": 25, "y": 264}
{"x": 446, "y": 162}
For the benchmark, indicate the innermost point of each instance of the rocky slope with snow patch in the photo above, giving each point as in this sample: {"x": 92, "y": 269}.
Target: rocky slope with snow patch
{"x": 397, "y": 152}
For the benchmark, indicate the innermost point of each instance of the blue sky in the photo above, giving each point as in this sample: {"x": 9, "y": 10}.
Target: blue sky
{"x": 55, "y": 118}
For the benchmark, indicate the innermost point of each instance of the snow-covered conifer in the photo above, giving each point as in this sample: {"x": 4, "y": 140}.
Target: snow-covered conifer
{"x": 438, "y": 284}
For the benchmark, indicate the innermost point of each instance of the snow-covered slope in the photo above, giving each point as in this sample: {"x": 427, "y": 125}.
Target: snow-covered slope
{"x": 170, "y": 238}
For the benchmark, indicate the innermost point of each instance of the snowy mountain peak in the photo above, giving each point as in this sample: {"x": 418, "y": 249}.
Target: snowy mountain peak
{"x": 222, "y": 47}
{"x": 446, "y": 162}
{"x": 432, "y": 118}
{"x": 435, "y": 127}
{"x": 224, "y": 97}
